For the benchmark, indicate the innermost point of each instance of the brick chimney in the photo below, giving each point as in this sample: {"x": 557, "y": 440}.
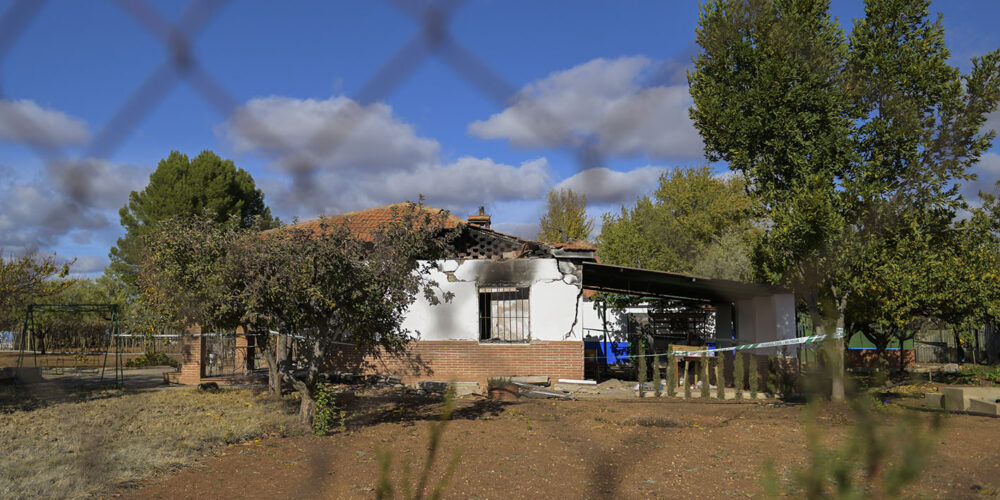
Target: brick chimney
{"x": 482, "y": 220}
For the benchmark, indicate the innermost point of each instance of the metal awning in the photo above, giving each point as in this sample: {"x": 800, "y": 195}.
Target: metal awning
{"x": 659, "y": 284}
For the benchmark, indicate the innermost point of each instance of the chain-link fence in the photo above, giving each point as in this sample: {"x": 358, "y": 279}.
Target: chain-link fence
{"x": 434, "y": 39}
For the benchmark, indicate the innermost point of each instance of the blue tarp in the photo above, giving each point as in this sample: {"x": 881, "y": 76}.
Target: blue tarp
{"x": 616, "y": 352}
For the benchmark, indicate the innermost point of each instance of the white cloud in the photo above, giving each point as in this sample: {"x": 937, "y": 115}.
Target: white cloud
{"x": 602, "y": 104}
{"x": 466, "y": 181}
{"x": 309, "y": 134}
{"x": 23, "y": 121}
{"x": 993, "y": 122}
{"x": 87, "y": 264}
{"x": 74, "y": 198}
{"x": 987, "y": 174}
{"x": 380, "y": 160}
{"x": 526, "y": 230}
{"x": 606, "y": 186}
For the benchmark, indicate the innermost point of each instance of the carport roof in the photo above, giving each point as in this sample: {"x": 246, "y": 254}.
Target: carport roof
{"x": 660, "y": 284}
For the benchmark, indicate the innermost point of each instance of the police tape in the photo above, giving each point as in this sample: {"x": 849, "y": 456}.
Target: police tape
{"x": 760, "y": 345}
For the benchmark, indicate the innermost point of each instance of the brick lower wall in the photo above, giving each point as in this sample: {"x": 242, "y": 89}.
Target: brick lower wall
{"x": 468, "y": 361}
{"x": 868, "y": 358}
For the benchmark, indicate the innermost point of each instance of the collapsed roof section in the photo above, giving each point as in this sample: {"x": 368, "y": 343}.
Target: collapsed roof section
{"x": 663, "y": 285}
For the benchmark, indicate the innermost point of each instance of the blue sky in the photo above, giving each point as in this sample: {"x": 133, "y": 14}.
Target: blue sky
{"x": 610, "y": 74}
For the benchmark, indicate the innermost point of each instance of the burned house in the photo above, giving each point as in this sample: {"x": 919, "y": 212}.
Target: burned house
{"x": 524, "y": 307}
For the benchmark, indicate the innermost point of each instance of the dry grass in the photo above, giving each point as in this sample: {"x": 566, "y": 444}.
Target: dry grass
{"x": 81, "y": 449}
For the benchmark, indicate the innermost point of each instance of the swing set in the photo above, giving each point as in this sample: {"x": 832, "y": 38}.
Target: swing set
{"x": 109, "y": 312}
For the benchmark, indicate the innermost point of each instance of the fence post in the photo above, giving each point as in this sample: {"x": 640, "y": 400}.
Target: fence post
{"x": 720, "y": 377}
{"x": 739, "y": 374}
{"x": 671, "y": 376}
{"x": 705, "y": 390}
{"x": 687, "y": 383}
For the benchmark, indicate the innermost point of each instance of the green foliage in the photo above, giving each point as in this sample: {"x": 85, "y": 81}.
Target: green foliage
{"x": 565, "y": 217}
{"x": 152, "y": 359}
{"x": 854, "y": 149}
{"x": 754, "y": 375}
{"x": 972, "y": 375}
{"x": 69, "y": 331}
{"x": 739, "y": 374}
{"x": 695, "y": 222}
{"x": 384, "y": 487}
{"x": 23, "y": 280}
{"x": 318, "y": 282}
{"x": 181, "y": 187}
{"x": 328, "y": 415}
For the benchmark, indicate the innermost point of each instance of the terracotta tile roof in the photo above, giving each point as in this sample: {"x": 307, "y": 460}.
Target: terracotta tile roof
{"x": 576, "y": 245}
{"x": 364, "y": 223}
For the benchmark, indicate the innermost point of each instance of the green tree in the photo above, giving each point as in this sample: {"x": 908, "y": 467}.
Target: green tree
{"x": 24, "y": 280}
{"x": 320, "y": 283}
{"x": 848, "y": 146}
{"x": 565, "y": 217}
{"x": 694, "y": 222}
{"x": 179, "y": 187}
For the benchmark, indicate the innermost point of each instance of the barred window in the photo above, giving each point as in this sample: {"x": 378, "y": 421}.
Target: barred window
{"x": 503, "y": 314}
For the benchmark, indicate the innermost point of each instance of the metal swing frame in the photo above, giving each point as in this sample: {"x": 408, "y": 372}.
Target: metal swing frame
{"x": 110, "y": 311}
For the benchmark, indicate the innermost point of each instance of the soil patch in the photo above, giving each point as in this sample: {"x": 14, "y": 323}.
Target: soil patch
{"x": 629, "y": 448}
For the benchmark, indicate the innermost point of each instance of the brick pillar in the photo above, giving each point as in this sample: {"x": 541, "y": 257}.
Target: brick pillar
{"x": 192, "y": 348}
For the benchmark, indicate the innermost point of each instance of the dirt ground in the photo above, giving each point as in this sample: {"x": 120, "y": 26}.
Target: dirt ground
{"x": 651, "y": 448}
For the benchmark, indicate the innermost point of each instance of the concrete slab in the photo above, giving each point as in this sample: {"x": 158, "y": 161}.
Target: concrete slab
{"x": 957, "y": 398}
{"x": 532, "y": 380}
{"x": 984, "y": 407}
{"x": 934, "y": 399}
{"x": 461, "y": 388}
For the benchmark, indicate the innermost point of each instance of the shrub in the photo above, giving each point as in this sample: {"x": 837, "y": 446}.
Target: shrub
{"x": 328, "y": 415}
{"x": 498, "y": 382}
{"x": 739, "y": 374}
{"x": 152, "y": 359}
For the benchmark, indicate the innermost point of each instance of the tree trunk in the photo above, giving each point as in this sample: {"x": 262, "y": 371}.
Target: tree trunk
{"x": 273, "y": 368}
{"x": 959, "y": 352}
{"x": 282, "y": 348}
{"x": 307, "y": 406}
{"x": 902, "y": 365}
{"x": 837, "y": 391}
{"x": 976, "y": 347}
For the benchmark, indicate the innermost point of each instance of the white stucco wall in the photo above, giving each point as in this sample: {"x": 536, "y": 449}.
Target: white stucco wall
{"x": 552, "y": 299}
{"x": 555, "y": 302}
{"x": 766, "y": 318}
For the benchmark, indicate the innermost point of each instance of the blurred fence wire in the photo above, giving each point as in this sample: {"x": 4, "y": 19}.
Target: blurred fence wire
{"x": 181, "y": 65}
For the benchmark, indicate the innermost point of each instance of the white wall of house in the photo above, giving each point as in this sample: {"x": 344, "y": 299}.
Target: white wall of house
{"x": 766, "y": 318}
{"x": 553, "y": 299}
{"x": 557, "y": 309}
